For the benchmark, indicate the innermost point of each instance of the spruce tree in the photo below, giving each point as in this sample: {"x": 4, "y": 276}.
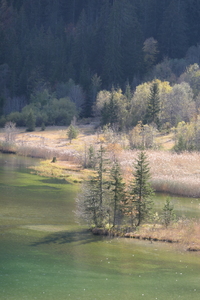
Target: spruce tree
{"x": 72, "y": 133}
{"x": 30, "y": 123}
{"x": 168, "y": 214}
{"x": 141, "y": 190}
{"x": 92, "y": 202}
{"x": 153, "y": 108}
{"x": 118, "y": 192}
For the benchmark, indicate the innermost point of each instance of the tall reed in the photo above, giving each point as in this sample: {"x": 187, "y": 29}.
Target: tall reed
{"x": 171, "y": 172}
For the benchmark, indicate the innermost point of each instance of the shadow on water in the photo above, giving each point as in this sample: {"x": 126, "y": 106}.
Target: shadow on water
{"x": 66, "y": 237}
{"x": 54, "y": 181}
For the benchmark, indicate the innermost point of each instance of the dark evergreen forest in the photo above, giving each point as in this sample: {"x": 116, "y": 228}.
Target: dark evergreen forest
{"x": 77, "y": 47}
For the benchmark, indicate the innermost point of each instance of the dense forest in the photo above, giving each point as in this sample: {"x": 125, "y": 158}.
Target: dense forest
{"x": 56, "y": 55}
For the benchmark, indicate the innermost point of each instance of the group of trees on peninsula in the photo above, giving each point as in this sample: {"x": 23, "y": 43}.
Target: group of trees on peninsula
{"x": 109, "y": 201}
{"x": 106, "y": 201}
{"x": 62, "y": 53}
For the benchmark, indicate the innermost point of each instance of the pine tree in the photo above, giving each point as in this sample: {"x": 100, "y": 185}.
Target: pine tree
{"x": 168, "y": 213}
{"x": 153, "y": 108}
{"x": 92, "y": 202}
{"x": 72, "y": 133}
{"x": 91, "y": 157}
{"x": 109, "y": 112}
{"x": 118, "y": 192}
{"x": 30, "y": 123}
{"x": 141, "y": 190}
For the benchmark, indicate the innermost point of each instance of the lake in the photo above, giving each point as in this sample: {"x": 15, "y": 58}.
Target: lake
{"x": 45, "y": 254}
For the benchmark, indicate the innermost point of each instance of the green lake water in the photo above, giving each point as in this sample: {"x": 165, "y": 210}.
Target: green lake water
{"x": 44, "y": 254}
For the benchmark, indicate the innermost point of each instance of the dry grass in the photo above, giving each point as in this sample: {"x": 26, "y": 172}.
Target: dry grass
{"x": 171, "y": 172}
{"x": 186, "y": 233}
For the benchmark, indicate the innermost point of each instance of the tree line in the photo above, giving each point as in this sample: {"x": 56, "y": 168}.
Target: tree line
{"x": 96, "y": 44}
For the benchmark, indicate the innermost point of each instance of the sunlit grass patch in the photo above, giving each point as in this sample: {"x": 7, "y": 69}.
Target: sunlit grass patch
{"x": 72, "y": 173}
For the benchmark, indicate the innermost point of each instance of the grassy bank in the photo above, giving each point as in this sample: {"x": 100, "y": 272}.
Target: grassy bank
{"x": 184, "y": 233}
{"x": 171, "y": 173}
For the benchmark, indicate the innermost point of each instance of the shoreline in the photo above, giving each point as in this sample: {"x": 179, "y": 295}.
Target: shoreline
{"x": 172, "y": 173}
{"x": 150, "y": 236}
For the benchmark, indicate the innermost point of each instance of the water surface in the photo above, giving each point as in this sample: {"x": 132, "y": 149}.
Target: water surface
{"x": 45, "y": 254}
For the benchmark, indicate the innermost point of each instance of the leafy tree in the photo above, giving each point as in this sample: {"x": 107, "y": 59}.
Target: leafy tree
{"x": 72, "y": 133}
{"x": 139, "y": 103}
{"x": 142, "y": 136}
{"x": 179, "y": 104}
{"x": 141, "y": 189}
{"x": 141, "y": 99}
{"x": 10, "y": 132}
{"x": 187, "y": 136}
{"x": 102, "y": 98}
{"x": 192, "y": 77}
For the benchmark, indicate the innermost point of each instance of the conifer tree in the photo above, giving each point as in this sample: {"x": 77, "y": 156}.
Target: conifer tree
{"x": 91, "y": 157}
{"x": 92, "y": 202}
{"x": 153, "y": 108}
{"x": 72, "y": 133}
{"x": 118, "y": 192}
{"x": 168, "y": 213}
{"x": 141, "y": 189}
{"x": 30, "y": 123}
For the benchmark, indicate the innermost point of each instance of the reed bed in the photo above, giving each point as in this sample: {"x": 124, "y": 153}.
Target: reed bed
{"x": 48, "y": 153}
{"x": 171, "y": 172}
{"x": 6, "y": 147}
